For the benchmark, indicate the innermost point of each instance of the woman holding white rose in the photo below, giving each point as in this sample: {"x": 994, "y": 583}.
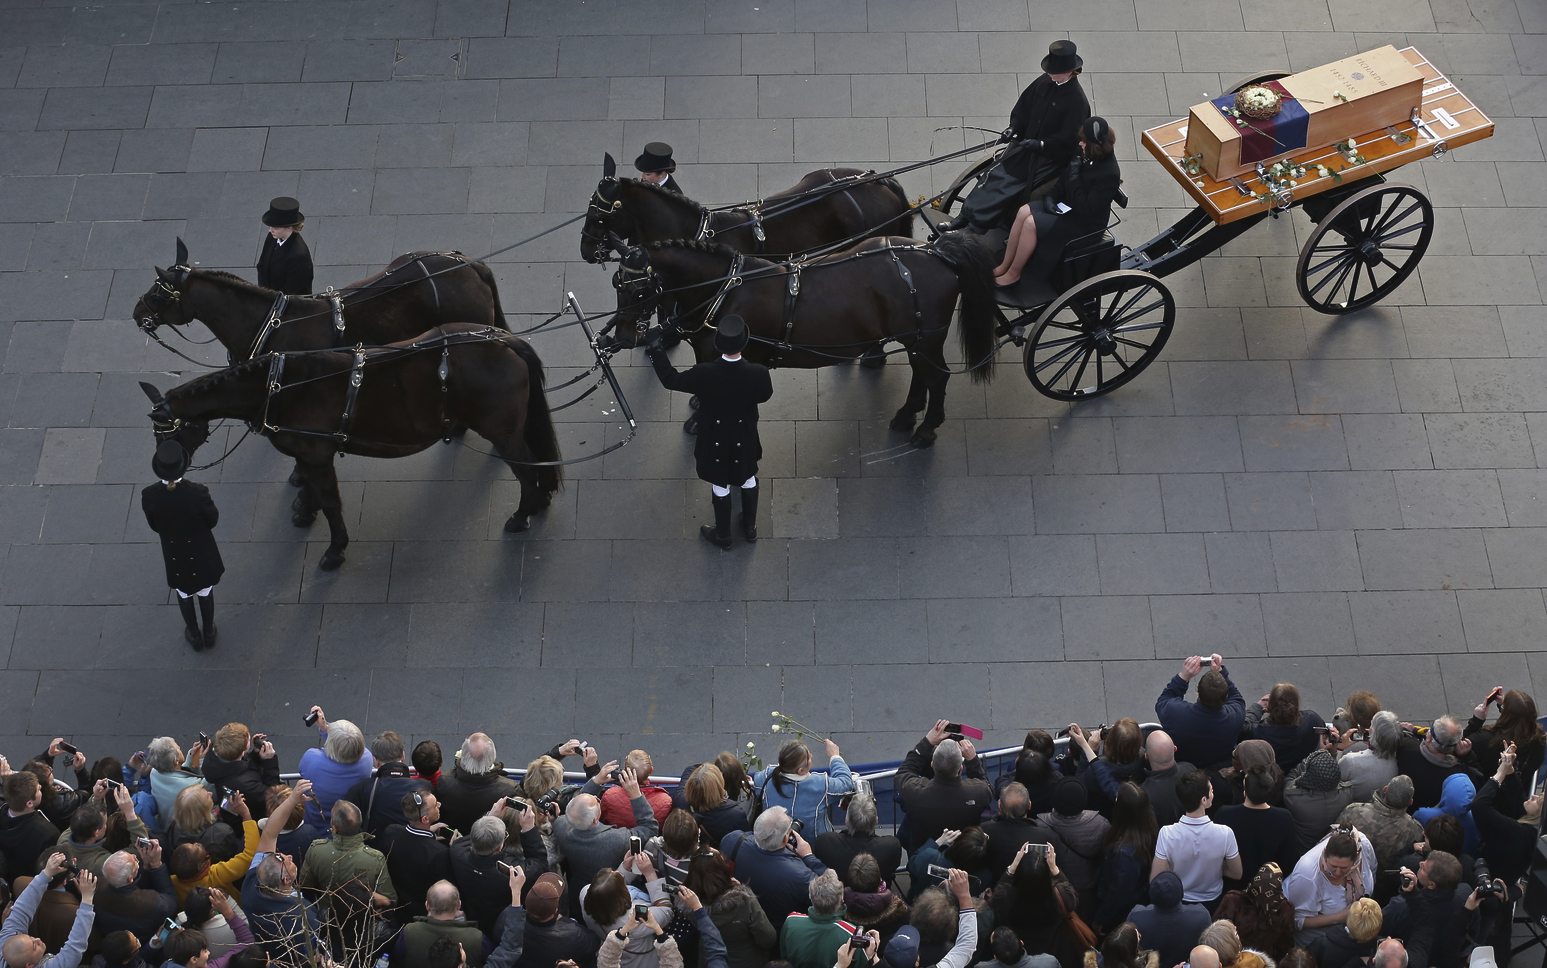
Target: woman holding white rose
{"x": 791, "y": 784}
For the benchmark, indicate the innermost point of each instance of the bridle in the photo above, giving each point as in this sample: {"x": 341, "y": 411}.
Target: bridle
{"x": 164, "y": 293}
{"x": 603, "y": 210}
{"x": 640, "y": 286}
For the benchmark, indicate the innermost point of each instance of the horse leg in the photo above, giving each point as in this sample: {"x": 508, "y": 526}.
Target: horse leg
{"x": 322, "y": 479}
{"x": 902, "y": 422}
{"x": 297, "y": 479}
{"x": 935, "y": 415}
{"x": 532, "y": 498}
{"x": 303, "y": 510}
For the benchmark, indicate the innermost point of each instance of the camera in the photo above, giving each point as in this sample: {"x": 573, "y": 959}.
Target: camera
{"x": 67, "y": 748}
{"x": 517, "y": 803}
{"x": 310, "y": 719}
{"x": 671, "y": 888}
{"x": 797, "y": 825}
{"x": 548, "y": 802}
{"x": 1482, "y": 879}
{"x": 143, "y": 842}
{"x": 69, "y": 865}
{"x": 859, "y": 942}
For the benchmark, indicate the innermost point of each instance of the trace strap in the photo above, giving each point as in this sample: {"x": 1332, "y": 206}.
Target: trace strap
{"x": 268, "y": 327}
{"x": 357, "y": 377}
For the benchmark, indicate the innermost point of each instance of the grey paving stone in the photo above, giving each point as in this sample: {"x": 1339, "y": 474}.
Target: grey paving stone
{"x": 88, "y": 151}
{"x": 840, "y": 624}
{"x": 154, "y": 150}
{"x": 1479, "y": 440}
{"x": 1079, "y": 503}
{"x": 1232, "y": 388}
{"x": 1457, "y": 499}
{"x": 1086, "y": 446}
{"x": 81, "y": 107}
{"x": 866, "y": 568}
{"x": 1176, "y": 444}
{"x": 1503, "y": 620}
{"x": 1201, "y": 624}
{"x": 1240, "y": 562}
{"x": 1308, "y": 561}
{"x": 1387, "y": 442}
{"x": 1308, "y": 623}
{"x": 1054, "y": 565}
{"x": 1155, "y": 564}
{"x": 1270, "y": 501}
{"x": 1108, "y": 627}
{"x": 1297, "y": 443}
{"x": 1387, "y": 622}
{"x": 1424, "y": 559}
{"x": 1027, "y": 693}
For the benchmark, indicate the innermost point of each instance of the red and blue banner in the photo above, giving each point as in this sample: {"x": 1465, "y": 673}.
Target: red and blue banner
{"x": 1264, "y": 138}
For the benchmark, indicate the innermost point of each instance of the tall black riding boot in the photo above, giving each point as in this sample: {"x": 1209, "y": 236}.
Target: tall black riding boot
{"x": 749, "y": 512}
{"x": 720, "y": 534}
{"x": 207, "y": 609}
{"x": 191, "y": 633}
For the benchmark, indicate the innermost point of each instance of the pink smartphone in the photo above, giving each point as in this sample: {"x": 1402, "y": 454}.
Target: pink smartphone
{"x": 968, "y": 731}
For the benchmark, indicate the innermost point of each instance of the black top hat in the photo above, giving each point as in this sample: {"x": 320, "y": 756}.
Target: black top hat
{"x": 283, "y": 211}
{"x": 1061, "y": 58}
{"x": 170, "y": 461}
{"x": 657, "y": 157}
{"x": 730, "y": 337}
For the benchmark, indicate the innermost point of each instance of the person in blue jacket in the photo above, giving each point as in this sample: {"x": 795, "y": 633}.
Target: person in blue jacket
{"x": 791, "y": 784}
{"x": 1205, "y": 731}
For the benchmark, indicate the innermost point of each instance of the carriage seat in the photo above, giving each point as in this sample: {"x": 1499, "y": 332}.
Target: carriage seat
{"x": 1083, "y": 257}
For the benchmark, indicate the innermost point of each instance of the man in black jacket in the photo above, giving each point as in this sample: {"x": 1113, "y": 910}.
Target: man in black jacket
{"x": 416, "y": 857}
{"x": 136, "y": 893}
{"x": 380, "y": 797}
{"x": 184, "y": 515}
{"x": 942, "y": 785}
{"x": 24, "y": 831}
{"x": 1012, "y": 828}
{"x": 476, "y": 860}
{"x": 1431, "y": 915}
{"x": 285, "y": 264}
{"x": 550, "y": 938}
{"x": 245, "y": 763}
{"x": 476, "y": 781}
{"x": 728, "y": 448}
{"x": 1044, "y": 134}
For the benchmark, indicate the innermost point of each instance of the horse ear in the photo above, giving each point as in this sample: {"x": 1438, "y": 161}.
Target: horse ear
{"x": 609, "y": 167}
{"x": 182, "y": 253}
{"x": 154, "y": 394}
{"x": 618, "y": 245}
{"x": 164, "y": 275}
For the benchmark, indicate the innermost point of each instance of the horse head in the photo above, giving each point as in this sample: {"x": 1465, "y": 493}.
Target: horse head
{"x": 190, "y": 433}
{"x": 638, "y": 288}
{"x": 603, "y": 214}
{"x": 162, "y": 302}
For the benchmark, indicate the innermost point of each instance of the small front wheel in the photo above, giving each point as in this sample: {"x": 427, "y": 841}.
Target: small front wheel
{"x": 1099, "y": 335}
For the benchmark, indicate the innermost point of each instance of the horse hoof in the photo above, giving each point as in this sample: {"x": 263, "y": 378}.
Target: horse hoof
{"x": 902, "y": 423}
{"x": 303, "y": 520}
{"x": 517, "y": 523}
{"x": 690, "y": 426}
{"x": 296, "y": 480}
{"x": 693, "y": 402}
{"x": 924, "y": 438}
{"x": 330, "y": 561}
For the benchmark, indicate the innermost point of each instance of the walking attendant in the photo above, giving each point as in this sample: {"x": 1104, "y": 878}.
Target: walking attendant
{"x": 727, "y": 449}
{"x": 184, "y": 515}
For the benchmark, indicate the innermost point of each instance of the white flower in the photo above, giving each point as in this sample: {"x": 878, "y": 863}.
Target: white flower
{"x": 776, "y": 727}
{"x": 751, "y": 746}
{"x": 1294, "y": 184}
{"x": 774, "y": 713}
{"x": 1352, "y": 143}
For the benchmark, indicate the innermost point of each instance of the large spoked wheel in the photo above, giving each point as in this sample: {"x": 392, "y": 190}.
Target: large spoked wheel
{"x": 1099, "y": 335}
{"x": 1364, "y": 248}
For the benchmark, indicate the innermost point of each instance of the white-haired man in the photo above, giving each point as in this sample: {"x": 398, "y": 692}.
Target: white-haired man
{"x": 276, "y": 912}
{"x": 590, "y": 845}
{"x": 942, "y": 786}
{"x": 475, "y": 782}
{"x": 775, "y": 862}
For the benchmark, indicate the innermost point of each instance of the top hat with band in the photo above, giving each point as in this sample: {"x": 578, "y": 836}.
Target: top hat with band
{"x": 283, "y": 211}
{"x": 170, "y": 460}
{"x": 730, "y": 336}
{"x": 1061, "y": 58}
{"x": 657, "y": 157}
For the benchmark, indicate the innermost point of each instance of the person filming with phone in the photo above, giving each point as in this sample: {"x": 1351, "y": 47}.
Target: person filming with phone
{"x": 24, "y": 951}
{"x": 942, "y": 784}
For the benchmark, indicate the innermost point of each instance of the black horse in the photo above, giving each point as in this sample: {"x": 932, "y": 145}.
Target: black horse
{"x": 417, "y": 290}
{"x": 381, "y": 401}
{"x": 830, "y": 205}
{"x": 828, "y": 310}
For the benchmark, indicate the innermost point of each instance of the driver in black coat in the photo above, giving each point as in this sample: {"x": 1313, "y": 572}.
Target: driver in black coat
{"x": 727, "y": 449}
{"x": 1078, "y": 205}
{"x": 285, "y": 264}
{"x": 1044, "y": 133}
{"x": 184, "y": 515}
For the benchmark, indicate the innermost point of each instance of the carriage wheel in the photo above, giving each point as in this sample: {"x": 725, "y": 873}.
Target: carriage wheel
{"x": 1261, "y": 77}
{"x": 1364, "y": 248}
{"x": 1099, "y": 335}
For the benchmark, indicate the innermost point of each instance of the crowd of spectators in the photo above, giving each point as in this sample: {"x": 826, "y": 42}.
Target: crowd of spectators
{"x": 1233, "y": 835}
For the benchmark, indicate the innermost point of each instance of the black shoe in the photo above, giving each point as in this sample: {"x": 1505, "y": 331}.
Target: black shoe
{"x": 209, "y": 636}
{"x": 748, "y": 518}
{"x": 194, "y": 639}
{"x": 207, "y": 611}
{"x": 720, "y": 534}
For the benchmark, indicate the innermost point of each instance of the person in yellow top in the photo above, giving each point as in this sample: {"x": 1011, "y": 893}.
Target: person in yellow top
{"x": 190, "y": 865}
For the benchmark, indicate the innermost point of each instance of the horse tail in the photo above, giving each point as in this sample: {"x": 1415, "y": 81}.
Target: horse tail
{"x": 902, "y": 224}
{"x": 541, "y": 439}
{"x": 969, "y": 257}
{"x": 487, "y": 275}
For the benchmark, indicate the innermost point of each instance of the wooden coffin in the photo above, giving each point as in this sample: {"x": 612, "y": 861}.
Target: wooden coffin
{"x": 1381, "y": 86}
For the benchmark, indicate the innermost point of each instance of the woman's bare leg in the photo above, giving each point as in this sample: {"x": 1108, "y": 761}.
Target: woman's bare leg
{"x": 1022, "y": 253}
{"x": 1017, "y": 229}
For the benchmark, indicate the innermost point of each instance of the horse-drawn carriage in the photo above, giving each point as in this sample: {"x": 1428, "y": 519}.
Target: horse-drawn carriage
{"x": 1104, "y": 315}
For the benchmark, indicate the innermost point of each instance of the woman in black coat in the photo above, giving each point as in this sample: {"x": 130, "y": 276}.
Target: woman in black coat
{"x": 285, "y": 264}
{"x": 183, "y": 514}
{"x": 1080, "y": 204}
